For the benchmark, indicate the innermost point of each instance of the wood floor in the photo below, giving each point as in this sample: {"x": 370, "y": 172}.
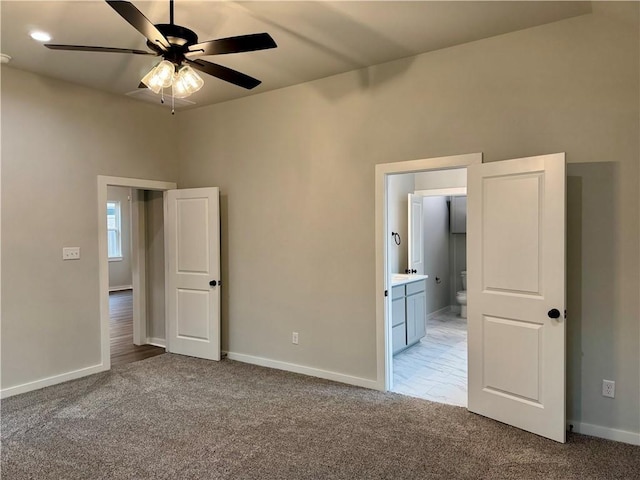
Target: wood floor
{"x": 121, "y": 331}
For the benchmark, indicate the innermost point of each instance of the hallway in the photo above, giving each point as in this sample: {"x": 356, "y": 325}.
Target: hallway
{"x": 121, "y": 331}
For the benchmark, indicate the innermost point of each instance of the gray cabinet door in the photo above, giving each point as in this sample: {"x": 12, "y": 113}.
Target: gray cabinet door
{"x": 416, "y": 317}
{"x": 399, "y": 338}
{"x": 458, "y": 215}
{"x": 398, "y": 313}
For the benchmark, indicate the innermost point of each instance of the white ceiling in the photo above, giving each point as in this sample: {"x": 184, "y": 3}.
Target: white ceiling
{"x": 315, "y": 39}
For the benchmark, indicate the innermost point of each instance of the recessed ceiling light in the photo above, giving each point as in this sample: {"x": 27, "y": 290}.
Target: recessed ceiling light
{"x": 40, "y": 36}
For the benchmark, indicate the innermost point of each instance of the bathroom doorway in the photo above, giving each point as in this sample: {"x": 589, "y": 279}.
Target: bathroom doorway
{"x": 427, "y": 267}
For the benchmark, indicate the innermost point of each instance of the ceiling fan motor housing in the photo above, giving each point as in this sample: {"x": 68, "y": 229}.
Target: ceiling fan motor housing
{"x": 180, "y": 38}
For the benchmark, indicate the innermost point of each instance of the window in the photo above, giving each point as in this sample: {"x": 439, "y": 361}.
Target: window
{"x": 114, "y": 233}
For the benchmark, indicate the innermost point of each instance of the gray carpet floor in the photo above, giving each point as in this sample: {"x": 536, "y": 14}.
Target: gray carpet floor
{"x": 174, "y": 417}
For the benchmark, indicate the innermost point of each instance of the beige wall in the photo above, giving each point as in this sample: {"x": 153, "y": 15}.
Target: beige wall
{"x": 120, "y": 270}
{"x": 296, "y": 172}
{"x": 154, "y": 224}
{"x": 56, "y": 139}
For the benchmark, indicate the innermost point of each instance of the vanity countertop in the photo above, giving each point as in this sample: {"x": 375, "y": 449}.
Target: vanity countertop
{"x": 403, "y": 278}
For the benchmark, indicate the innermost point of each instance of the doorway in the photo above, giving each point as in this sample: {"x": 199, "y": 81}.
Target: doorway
{"x": 384, "y": 333}
{"x": 125, "y": 347}
{"x": 427, "y": 266}
{"x": 516, "y": 287}
{"x": 124, "y": 312}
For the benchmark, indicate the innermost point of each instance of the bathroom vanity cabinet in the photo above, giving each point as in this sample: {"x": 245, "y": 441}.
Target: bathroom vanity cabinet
{"x": 408, "y": 313}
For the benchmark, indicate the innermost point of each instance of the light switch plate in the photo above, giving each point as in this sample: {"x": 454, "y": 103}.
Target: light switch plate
{"x": 71, "y": 253}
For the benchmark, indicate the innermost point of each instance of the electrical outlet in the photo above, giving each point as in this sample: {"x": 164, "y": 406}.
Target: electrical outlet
{"x": 608, "y": 388}
{"x": 71, "y": 253}
{"x": 294, "y": 338}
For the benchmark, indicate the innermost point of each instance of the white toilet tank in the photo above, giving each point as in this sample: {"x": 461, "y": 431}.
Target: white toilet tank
{"x": 463, "y": 274}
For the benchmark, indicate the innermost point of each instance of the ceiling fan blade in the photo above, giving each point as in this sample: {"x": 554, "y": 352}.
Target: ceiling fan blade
{"x": 138, "y": 21}
{"x": 226, "y": 74}
{"x": 142, "y": 85}
{"x": 86, "y": 48}
{"x": 241, "y": 43}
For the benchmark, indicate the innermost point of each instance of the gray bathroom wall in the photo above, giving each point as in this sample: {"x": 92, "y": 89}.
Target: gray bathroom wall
{"x": 436, "y": 251}
{"x": 458, "y": 263}
{"x": 400, "y": 186}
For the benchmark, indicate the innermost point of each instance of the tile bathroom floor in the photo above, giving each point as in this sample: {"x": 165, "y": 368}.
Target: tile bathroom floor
{"x": 435, "y": 368}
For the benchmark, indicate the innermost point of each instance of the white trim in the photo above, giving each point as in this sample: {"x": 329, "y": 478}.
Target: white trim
{"x": 165, "y": 216}
{"x": 437, "y": 312}
{"x": 115, "y": 259}
{"x": 383, "y": 337}
{"x": 103, "y": 264}
{"x": 47, "y": 382}
{"x": 120, "y": 288}
{"x": 156, "y": 342}
{"x": 310, "y": 371}
{"x": 605, "y": 432}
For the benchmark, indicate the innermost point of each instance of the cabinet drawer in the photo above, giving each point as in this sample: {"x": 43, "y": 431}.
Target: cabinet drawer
{"x": 399, "y": 338}
{"x": 415, "y": 287}
{"x": 397, "y": 292}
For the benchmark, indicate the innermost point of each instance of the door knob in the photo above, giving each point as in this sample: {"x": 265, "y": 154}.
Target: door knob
{"x": 213, "y": 283}
{"x": 554, "y": 313}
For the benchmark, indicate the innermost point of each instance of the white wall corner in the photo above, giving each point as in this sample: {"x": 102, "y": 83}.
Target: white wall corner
{"x": 120, "y": 288}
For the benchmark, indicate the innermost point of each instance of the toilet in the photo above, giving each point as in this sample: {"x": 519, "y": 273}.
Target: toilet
{"x": 461, "y": 296}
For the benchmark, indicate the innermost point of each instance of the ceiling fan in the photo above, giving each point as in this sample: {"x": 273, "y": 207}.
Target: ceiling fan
{"x": 179, "y": 47}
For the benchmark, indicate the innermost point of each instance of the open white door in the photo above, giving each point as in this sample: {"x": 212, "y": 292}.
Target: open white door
{"x": 415, "y": 234}
{"x": 192, "y": 249}
{"x": 516, "y": 292}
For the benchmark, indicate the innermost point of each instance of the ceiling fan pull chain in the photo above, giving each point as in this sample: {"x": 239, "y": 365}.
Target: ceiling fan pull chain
{"x": 173, "y": 99}
{"x": 162, "y": 96}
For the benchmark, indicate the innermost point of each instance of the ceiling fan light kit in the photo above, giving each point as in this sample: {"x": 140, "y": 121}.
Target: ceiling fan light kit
{"x": 160, "y": 76}
{"x": 184, "y": 81}
{"x": 179, "y": 47}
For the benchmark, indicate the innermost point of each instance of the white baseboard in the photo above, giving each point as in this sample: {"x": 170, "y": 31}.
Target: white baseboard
{"x": 120, "y": 288}
{"x": 312, "y": 372}
{"x": 47, "y": 382}
{"x": 156, "y": 342}
{"x": 437, "y": 312}
{"x": 605, "y": 432}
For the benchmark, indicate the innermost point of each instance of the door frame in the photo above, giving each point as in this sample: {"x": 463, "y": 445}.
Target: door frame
{"x": 138, "y": 280}
{"x": 384, "y": 350}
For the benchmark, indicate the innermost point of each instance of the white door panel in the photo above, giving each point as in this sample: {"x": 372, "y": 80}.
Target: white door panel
{"x": 415, "y": 234}
{"x": 193, "y": 260}
{"x": 516, "y": 275}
